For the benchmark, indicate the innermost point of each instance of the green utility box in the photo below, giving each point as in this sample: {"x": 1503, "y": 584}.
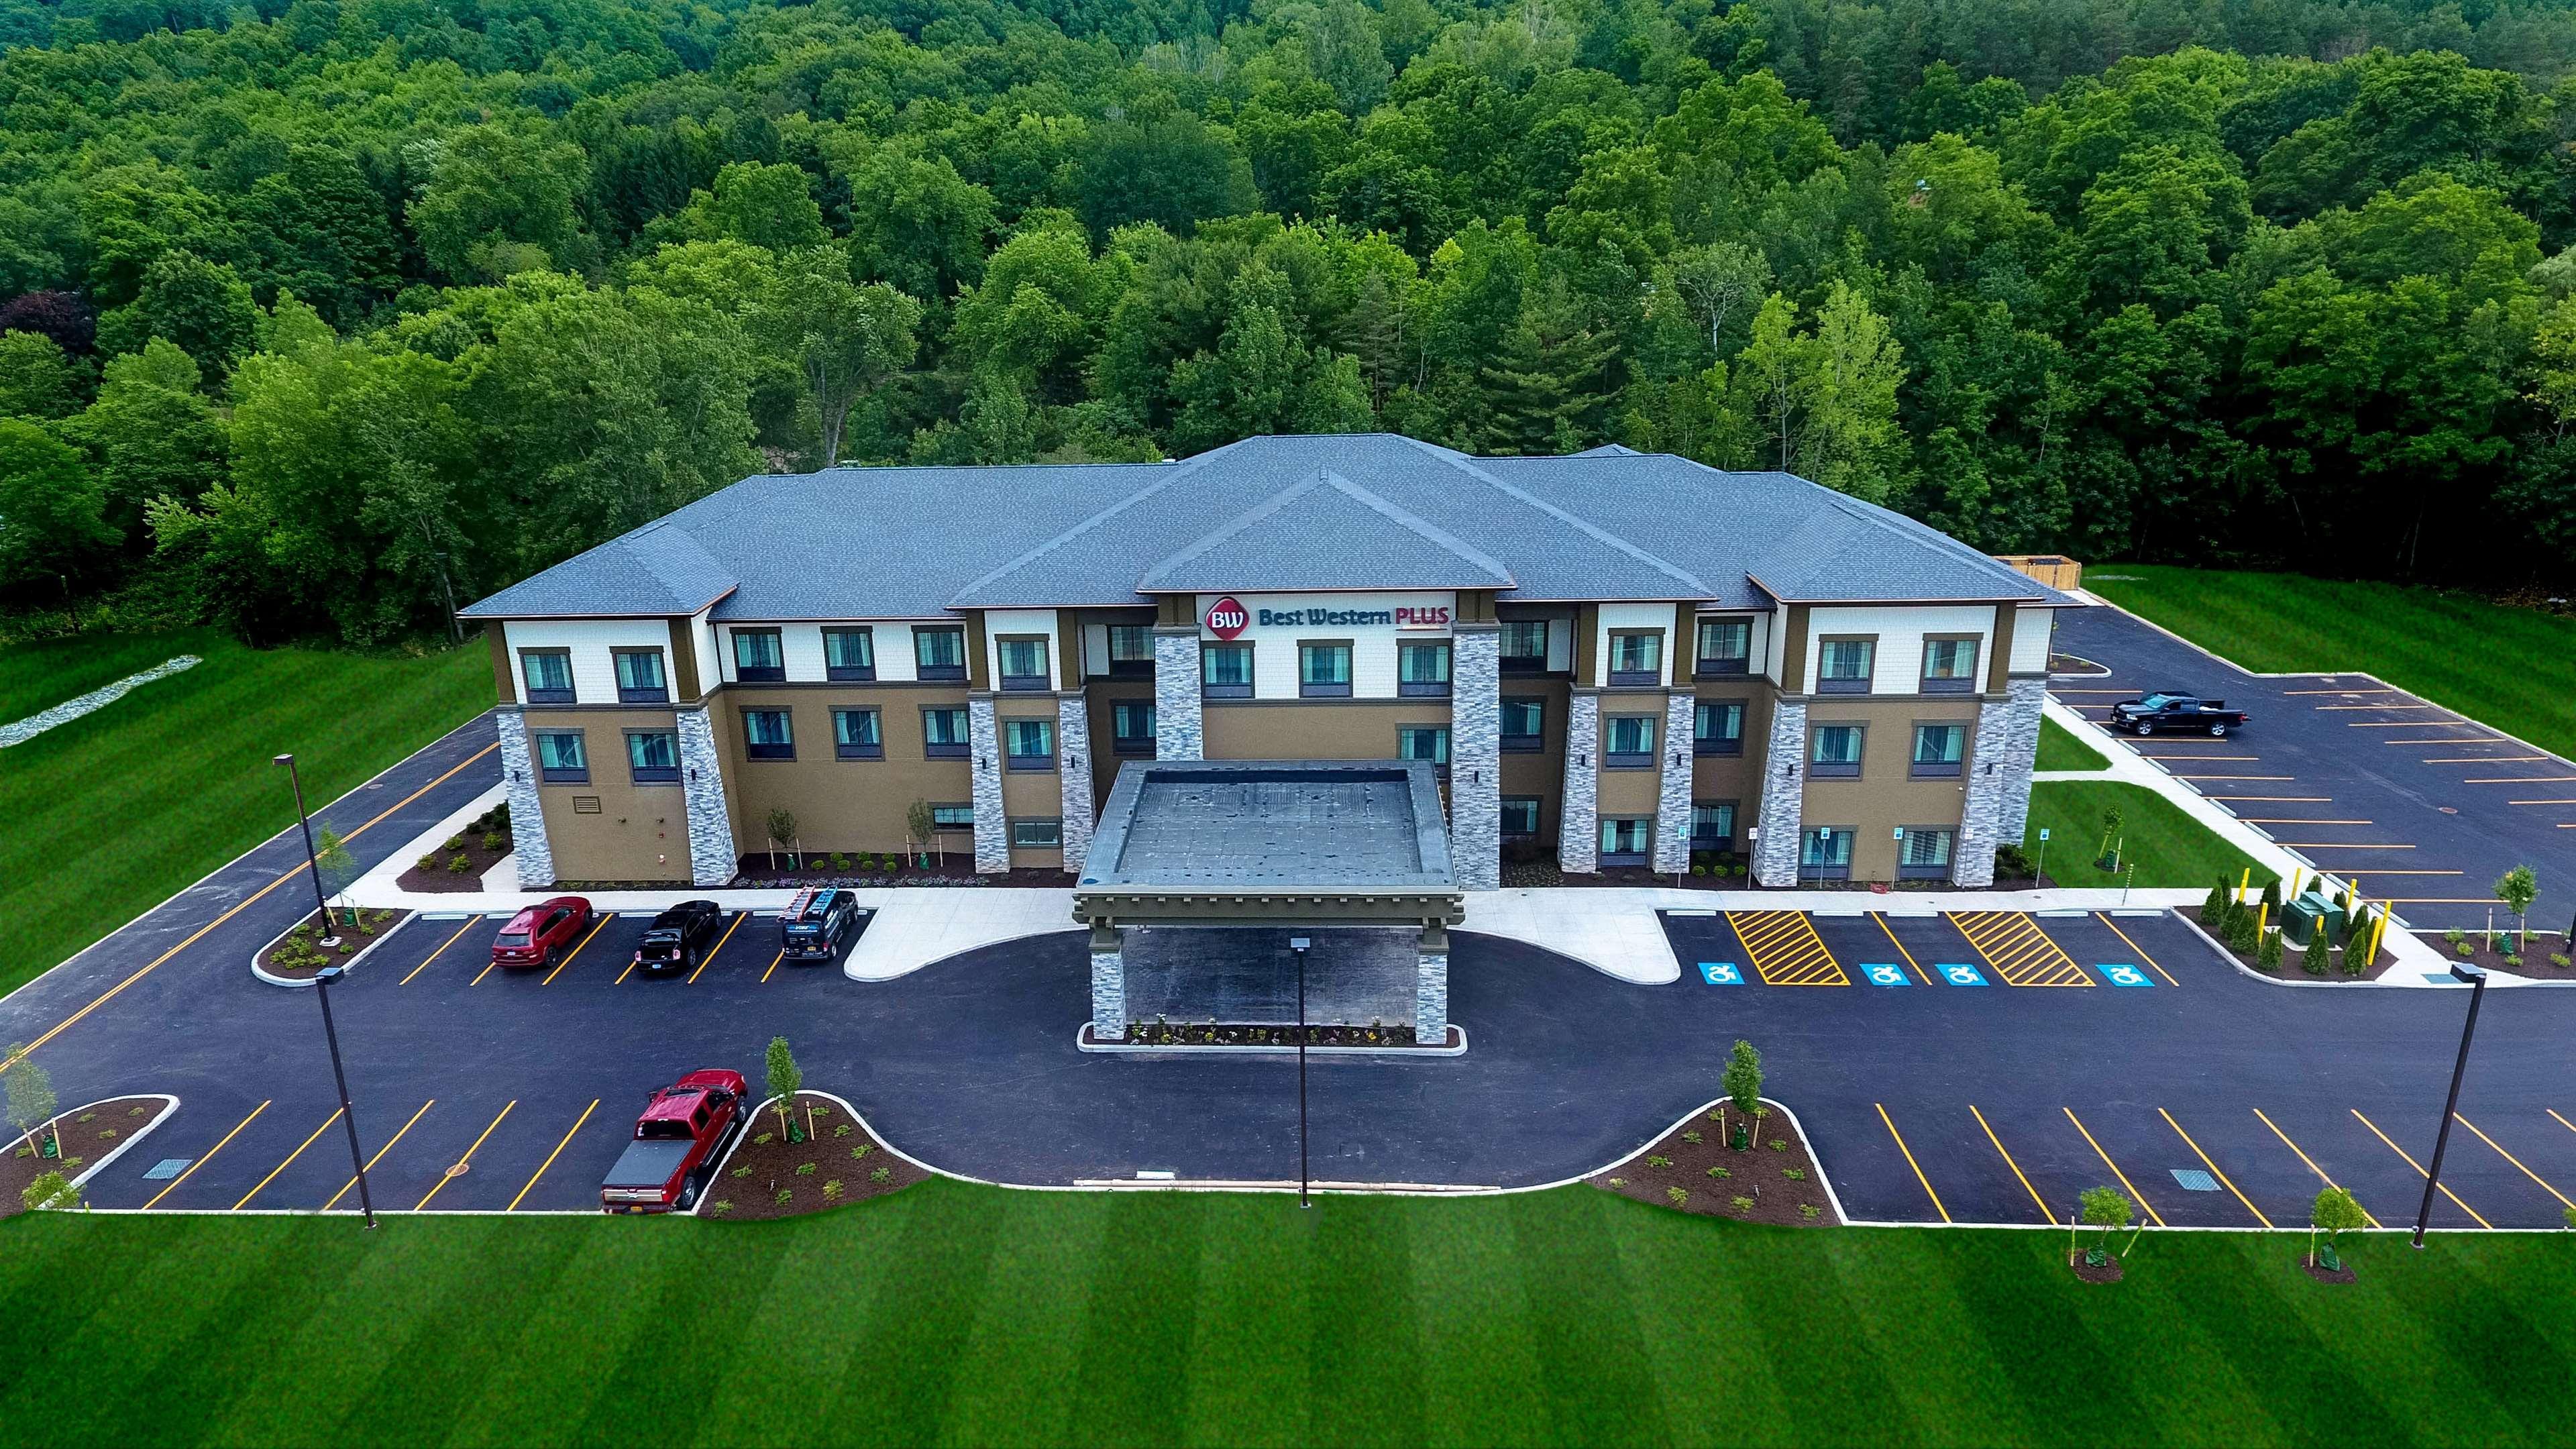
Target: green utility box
{"x": 2300, "y": 917}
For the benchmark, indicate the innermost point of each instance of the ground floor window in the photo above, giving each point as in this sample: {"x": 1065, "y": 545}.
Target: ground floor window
{"x": 1924, "y": 854}
{"x": 653, "y": 756}
{"x": 1520, "y": 817}
{"x": 855, "y": 735}
{"x": 1423, "y": 742}
{"x": 1131, "y": 726}
{"x": 768, "y": 734}
{"x": 560, "y": 758}
{"x": 1626, "y": 840}
{"x": 1825, "y": 853}
{"x": 1712, "y": 825}
{"x": 1037, "y": 835}
{"x": 1031, "y": 743}
{"x": 952, "y": 817}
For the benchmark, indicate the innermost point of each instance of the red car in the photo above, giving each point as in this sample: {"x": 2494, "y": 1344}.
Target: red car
{"x": 682, "y": 1132}
{"x": 534, "y": 935}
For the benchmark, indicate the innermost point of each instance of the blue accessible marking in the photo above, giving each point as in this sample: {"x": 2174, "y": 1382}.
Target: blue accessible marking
{"x": 1959, "y": 973}
{"x": 2120, "y": 973}
{"x": 1885, "y": 973}
{"x": 1720, "y": 973}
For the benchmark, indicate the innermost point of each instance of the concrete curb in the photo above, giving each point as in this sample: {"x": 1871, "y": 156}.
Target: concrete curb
{"x": 171, "y": 1106}
{"x": 1823, "y": 1177}
{"x": 292, "y": 984}
{"x": 1396, "y": 1053}
{"x": 857, "y": 1116}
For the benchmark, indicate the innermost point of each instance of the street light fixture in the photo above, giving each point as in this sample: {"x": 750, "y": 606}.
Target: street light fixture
{"x": 322, "y": 980}
{"x": 1299, "y": 944}
{"x": 321, "y": 907}
{"x": 2476, "y": 981}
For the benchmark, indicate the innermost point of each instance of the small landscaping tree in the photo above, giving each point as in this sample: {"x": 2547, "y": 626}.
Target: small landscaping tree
{"x": 1743, "y": 1083}
{"x": 2518, "y": 888}
{"x": 31, "y": 1098}
{"x": 2360, "y": 947}
{"x": 2336, "y": 1212}
{"x": 49, "y": 1190}
{"x": 782, "y": 829}
{"x": 2269, "y": 955}
{"x": 2104, "y": 1208}
{"x": 2213, "y": 911}
{"x": 785, "y": 1080}
{"x": 2272, "y": 896}
{"x": 2104, "y": 857}
{"x": 921, "y": 828}
{"x": 331, "y": 856}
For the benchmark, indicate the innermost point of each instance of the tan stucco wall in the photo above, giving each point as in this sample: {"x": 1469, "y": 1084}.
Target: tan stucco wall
{"x": 640, "y": 832}
{"x": 840, "y": 804}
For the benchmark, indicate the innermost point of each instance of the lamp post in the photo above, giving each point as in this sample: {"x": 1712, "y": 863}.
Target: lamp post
{"x": 1299, "y": 944}
{"x": 322, "y": 980}
{"x": 2477, "y": 983}
{"x": 321, "y": 907}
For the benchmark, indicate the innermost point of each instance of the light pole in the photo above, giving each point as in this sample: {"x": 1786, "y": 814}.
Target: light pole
{"x": 321, "y": 907}
{"x": 1299, "y": 944}
{"x": 322, "y": 980}
{"x": 2477, "y": 982}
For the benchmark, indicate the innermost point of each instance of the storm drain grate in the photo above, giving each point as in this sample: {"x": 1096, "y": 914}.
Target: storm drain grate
{"x": 2195, "y": 1180}
{"x": 167, "y": 1168}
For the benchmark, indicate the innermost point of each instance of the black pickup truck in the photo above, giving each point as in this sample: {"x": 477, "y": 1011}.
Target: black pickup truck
{"x": 2164, "y": 713}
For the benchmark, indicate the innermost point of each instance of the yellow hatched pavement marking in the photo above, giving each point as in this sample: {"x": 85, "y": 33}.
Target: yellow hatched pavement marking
{"x": 2021, "y": 953}
{"x": 2419, "y": 1167}
{"x": 2310, "y": 1161}
{"x": 1785, "y": 949}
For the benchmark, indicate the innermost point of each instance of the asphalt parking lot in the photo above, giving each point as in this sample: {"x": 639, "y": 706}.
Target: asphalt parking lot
{"x": 2426, "y": 807}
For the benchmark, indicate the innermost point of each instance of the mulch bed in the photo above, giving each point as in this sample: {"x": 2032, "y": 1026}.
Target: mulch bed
{"x": 2324, "y": 1274}
{"x": 843, "y": 870}
{"x": 2294, "y": 962}
{"x": 2535, "y": 962}
{"x": 1202, "y": 1033}
{"x": 1759, "y": 1173}
{"x": 88, "y": 1135}
{"x": 2076, "y": 664}
{"x": 458, "y": 862}
{"x": 296, "y": 957}
{"x": 2107, "y": 1273}
{"x": 843, "y": 1163}
{"x": 1530, "y": 873}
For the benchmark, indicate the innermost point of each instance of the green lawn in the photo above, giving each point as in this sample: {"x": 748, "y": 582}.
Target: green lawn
{"x": 2512, "y": 668}
{"x": 959, "y": 1314}
{"x": 2059, "y": 749}
{"x": 110, "y": 814}
{"x": 2168, "y": 847}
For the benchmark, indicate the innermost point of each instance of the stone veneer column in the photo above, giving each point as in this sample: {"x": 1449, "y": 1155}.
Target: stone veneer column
{"x": 2021, "y": 757}
{"x": 984, "y": 750}
{"x": 702, "y": 799}
{"x": 1431, "y": 987}
{"x": 1784, "y": 796}
{"x": 1476, "y": 756}
{"x": 1073, "y": 768}
{"x": 527, "y": 813}
{"x": 1578, "y": 835}
{"x": 1981, "y": 814}
{"x": 1673, "y": 791}
{"x": 1108, "y": 985}
{"x": 1179, "y": 728}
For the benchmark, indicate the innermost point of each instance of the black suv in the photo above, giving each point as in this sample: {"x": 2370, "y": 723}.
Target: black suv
{"x": 816, "y": 922}
{"x": 679, "y": 938}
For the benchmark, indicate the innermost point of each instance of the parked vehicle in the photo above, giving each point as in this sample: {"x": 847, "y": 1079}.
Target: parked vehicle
{"x": 682, "y": 1133}
{"x": 816, "y": 922}
{"x": 679, "y": 937}
{"x": 532, "y": 937}
{"x": 2166, "y": 713}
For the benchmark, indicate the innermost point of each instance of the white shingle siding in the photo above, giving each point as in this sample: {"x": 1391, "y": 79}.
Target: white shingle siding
{"x": 702, "y": 643}
{"x": 1001, "y": 622}
{"x": 594, "y": 671}
{"x": 1897, "y": 667}
{"x": 1633, "y": 616}
{"x": 1095, "y": 651}
{"x": 2030, "y": 640}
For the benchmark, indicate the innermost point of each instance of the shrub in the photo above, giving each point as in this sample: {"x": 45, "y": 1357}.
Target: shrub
{"x": 844, "y": 1130}
{"x": 1617, "y": 1181}
{"x": 743, "y": 1171}
{"x": 1778, "y": 1145}
{"x": 866, "y": 864}
{"x": 1678, "y": 1195}
{"x": 1719, "y": 1172}
{"x": 2465, "y": 950}
{"x": 764, "y": 1139}
{"x": 880, "y": 1174}
{"x": 805, "y": 1169}
{"x": 1743, "y": 1204}
{"x": 106, "y": 1134}
{"x": 454, "y": 842}
{"x": 719, "y": 1208}
{"x": 2213, "y": 908}
{"x": 50, "y": 1190}
{"x": 2512, "y": 962}
{"x": 1794, "y": 1174}
{"x": 887, "y": 861}
{"x": 2268, "y": 955}
{"x": 2453, "y": 938}
{"x": 1691, "y": 1136}
{"x": 832, "y": 1190}
{"x": 840, "y": 861}
{"x": 427, "y": 862}
{"x": 1809, "y": 1210}
{"x": 459, "y": 864}
{"x": 494, "y": 840}
{"x": 1658, "y": 1161}
{"x": 785, "y": 1196}
{"x": 858, "y": 1152}
{"x": 2560, "y": 960}
{"x": 1699, "y": 870}
{"x": 2315, "y": 964}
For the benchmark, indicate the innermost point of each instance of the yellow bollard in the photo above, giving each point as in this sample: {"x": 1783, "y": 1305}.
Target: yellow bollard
{"x": 2242, "y": 882}
{"x": 2262, "y": 920}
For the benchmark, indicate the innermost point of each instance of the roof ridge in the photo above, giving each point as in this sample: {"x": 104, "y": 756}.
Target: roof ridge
{"x": 1172, "y": 473}
{"x": 1916, "y": 531}
{"x": 1467, "y": 465}
{"x": 1325, "y": 478}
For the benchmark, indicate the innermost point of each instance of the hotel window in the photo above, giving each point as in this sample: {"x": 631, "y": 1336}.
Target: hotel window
{"x": 1725, "y": 646}
{"x": 1131, "y": 650}
{"x": 849, "y": 654}
{"x": 1324, "y": 671}
{"x": 1024, "y": 663}
{"x": 952, "y": 817}
{"x": 639, "y": 676}
{"x": 856, "y": 735}
{"x": 1825, "y": 852}
{"x": 1520, "y": 817}
{"x": 561, "y": 759}
{"x": 768, "y": 734}
{"x": 549, "y": 675}
{"x": 1524, "y": 724}
{"x": 1833, "y": 752}
{"x": 938, "y": 652}
{"x": 653, "y": 756}
{"x": 1422, "y": 670}
{"x": 1949, "y": 666}
{"x": 1423, "y": 742}
{"x": 1937, "y": 748}
{"x": 1843, "y": 665}
{"x": 1637, "y": 656}
{"x": 1131, "y": 726}
{"x": 1712, "y": 825}
{"x": 944, "y": 733}
{"x": 1524, "y": 646}
{"x": 1625, "y": 841}
{"x": 1037, "y": 835}
{"x": 758, "y": 657}
{"x": 1030, "y": 743}
{"x": 1924, "y": 854}
{"x": 1227, "y": 671}
{"x": 1717, "y": 727}
{"x": 1628, "y": 742}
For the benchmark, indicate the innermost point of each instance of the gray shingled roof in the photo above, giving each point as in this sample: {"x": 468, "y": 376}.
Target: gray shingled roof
{"x": 1275, "y": 513}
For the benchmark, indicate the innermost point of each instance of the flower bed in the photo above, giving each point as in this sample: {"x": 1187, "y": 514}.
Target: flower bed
{"x": 1216, "y": 1033}
{"x": 2294, "y": 962}
{"x": 296, "y": 955}
{"x": 2534, "y": 963}
{"x": 88, "y": 1135}
{"x": 1775, "y": 1180}
{"x": 867, "y": 868}
{"x": 769, "y": 1176}
{"x": 458, "y": 862}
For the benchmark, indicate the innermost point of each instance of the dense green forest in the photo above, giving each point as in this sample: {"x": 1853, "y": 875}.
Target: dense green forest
{"x": 323, "y": 317}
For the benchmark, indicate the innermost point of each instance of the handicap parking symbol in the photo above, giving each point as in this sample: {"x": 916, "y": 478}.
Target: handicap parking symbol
{"x": 1720, "y": 973}
{"x": 1959, "y": 973}
{"x": 2123, "y": 974}
{"x": 1885, "y": 973}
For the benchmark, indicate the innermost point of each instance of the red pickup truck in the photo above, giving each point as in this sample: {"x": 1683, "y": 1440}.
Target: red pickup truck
{"x": 683, "y": 1131}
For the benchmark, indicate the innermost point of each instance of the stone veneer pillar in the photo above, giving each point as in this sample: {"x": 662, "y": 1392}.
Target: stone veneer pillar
{"x": 1673, "y": 790}
{"x": 2021, "y": 757}
{"x": 1476, "y": 756}
{"x": 1972, "y": 859}
{"x": 1578, "y": 835}
{"x": 527, "y": 813}
{"x": 1784, "y": 796}
{"x": 1431, "y": 987}
{"x": 1179, "y": 728}
{"x": 1073, "y": 769}
{"x": 984, "y": 751}
{"x": 1108, "y": 985}
{"x": 702, "y": 800}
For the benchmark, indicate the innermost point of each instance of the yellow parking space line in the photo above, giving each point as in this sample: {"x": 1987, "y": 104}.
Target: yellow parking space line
{"x": 2540, "y": 802}
{"x": 773, "y": 964}
{"x": 2310, "y": 1161}
{"x": 551, "y": 1156}
{"x": 2563, "y": 1122}
{"x": 2419, "y": 1168}
{"x": 209, "y": 1157}
{"x": 595, "y": 928}
{"x": 2134, "y": 946}
{"x": 380, "y": 1154}
{"x": 2021, "y": 953}
{"x": 451, "y": 1174}
{"x": 2516, "y": 1161}
{"x": 470, "y": 923}
{"x": 710, "y": 957}
{"x": 2140, "y": 1197}
{"x": 290, "y": 1160}
{"x": 2213, "y": 1167}
{"x": 1785, "y": 949}
{"x": 2037, "y": 1201}
{"x": 1900, "y": 947}
{"x": 1910, "y": 1162}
